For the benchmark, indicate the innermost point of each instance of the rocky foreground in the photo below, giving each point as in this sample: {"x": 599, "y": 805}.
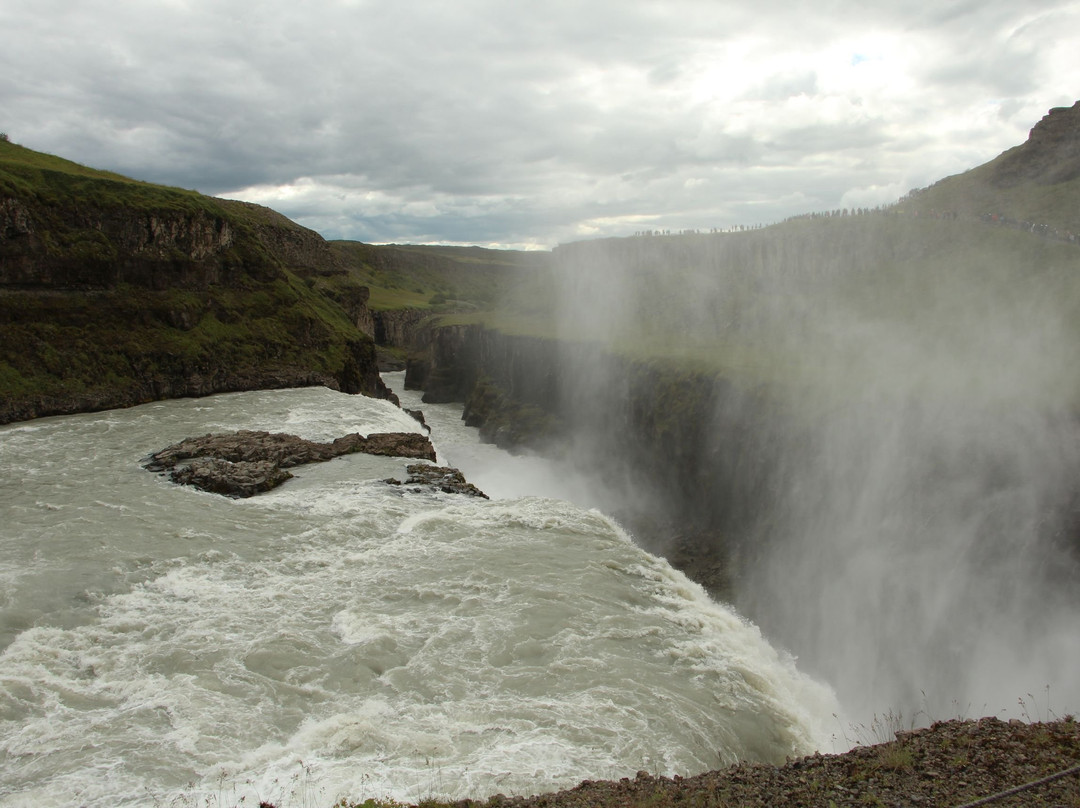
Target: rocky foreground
{"x": 952, "y": 764}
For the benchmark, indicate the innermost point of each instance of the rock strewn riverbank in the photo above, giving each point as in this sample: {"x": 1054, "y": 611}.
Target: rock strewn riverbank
{"x": 950, "y": 764}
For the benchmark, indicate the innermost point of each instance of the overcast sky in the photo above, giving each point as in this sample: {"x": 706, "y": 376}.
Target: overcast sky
{"x": 526, "y": 124}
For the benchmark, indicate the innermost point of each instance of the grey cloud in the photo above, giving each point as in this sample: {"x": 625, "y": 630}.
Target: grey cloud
{"x": 785, "y": 85}
{"x": 800, "y": 142}
{"x": 495, "y": 123}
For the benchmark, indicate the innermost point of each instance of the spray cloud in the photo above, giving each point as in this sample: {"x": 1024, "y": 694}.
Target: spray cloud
{"x": 901, "y": 398}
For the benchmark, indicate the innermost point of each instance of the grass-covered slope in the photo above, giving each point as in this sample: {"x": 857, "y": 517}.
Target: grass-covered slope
{"x": 435, "y": 278}
{"x": 979, "y": 266}
{"x": 791, "y": 302}
{"x": 1034, "y": 184}
{"x": 114, "y": 292}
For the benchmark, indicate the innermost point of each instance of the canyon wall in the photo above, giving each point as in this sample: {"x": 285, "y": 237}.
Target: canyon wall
{"x": 114, "y": 292}
{"x": 686, "y": 442}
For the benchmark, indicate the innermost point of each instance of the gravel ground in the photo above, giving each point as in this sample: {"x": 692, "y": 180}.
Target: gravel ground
{"x": 950, "y": 764}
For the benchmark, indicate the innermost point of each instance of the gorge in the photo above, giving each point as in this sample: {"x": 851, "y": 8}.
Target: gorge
{"x": 858, "y": 431}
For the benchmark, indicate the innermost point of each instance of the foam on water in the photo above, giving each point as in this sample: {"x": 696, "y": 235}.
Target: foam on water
{"x": 338, "y": 637}
{"x": 498, "y": 474}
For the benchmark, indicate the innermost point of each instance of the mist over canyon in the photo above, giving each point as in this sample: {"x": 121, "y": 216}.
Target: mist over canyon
{"x": 860, "y": 427}
{"x": 888, "y": 448}
{"x": 858, "y": 431}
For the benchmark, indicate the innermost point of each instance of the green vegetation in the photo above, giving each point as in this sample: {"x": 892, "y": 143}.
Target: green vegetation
{"x": 985, "y": 190}
{"x": 72, "y": 204}
{"x": 115, "y": 291}
{"x": 809, "y": 301}
{"x": 438, "y": 278}
{"x": 53, "y": 180}
{"x": 504, "y": 320}
{"x": 135, "y": 342}
{"x": 46, "y": 178}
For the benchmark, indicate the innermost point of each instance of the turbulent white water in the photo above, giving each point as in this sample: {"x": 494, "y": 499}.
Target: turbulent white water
{"x": 340, "y": 638}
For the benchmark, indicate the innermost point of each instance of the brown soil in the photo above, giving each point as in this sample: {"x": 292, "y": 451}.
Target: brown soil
{"x": 950, "y": 764}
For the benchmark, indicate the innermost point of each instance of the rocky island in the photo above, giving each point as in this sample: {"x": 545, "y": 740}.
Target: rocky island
{"x": 248, "y": 462}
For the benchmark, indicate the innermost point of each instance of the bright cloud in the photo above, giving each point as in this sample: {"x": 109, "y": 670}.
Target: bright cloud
{"x": 493, "y": 123}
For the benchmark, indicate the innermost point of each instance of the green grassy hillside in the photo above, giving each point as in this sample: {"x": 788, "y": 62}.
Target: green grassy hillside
{"x": 826, "y": 302}
{"x": 30, "y": 174}
{"x": 435, "y": 277}
{"x": 115, "y": 291}
{"x": 980, "y": 267}
{"x": 1036, "y": 183}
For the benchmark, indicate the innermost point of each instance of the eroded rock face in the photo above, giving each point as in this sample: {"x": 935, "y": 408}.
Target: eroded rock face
{"x": 288, "y": 451}
{"x": 1051, "y": 154}
{"x": 245, "y": 463}
{"x": 149, "y": 249}
{"x": 174, "y": 294}
{"x": 440, "y": 478}
{"x": 15, "y": 219}
{"x": 238, "y": 480}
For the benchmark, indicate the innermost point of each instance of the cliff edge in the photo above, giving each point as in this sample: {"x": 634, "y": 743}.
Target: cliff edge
{"x": 115, "y": 292}
{"x": 1051, "y": 154}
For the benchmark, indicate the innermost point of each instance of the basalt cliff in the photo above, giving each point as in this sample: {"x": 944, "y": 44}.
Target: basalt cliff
{"x": 115, "y": 292}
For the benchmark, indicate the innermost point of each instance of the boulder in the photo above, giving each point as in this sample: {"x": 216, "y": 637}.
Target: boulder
{"x": 245, "y": 463}
{"x": 441, "y": 478}
{"x": 418, "y": 415}
{"x": 288, "y": 451}
{"x": 237, "y": 480}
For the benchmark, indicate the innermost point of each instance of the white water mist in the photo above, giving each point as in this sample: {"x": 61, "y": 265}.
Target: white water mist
{"x": 915, "y": 544}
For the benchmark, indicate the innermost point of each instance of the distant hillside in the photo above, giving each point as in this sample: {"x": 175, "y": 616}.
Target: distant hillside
{"x": 414, "y": 288}
{"x": 779, "y": 304}
{"x": 1037, "y": 182}
{"x": 425, "y": 276}
{"x": 822, "y": 308}
{"x": 115, "y": 291}
{"x": 772, "y": 304}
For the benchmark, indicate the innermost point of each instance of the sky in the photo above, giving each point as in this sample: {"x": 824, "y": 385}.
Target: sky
{"x": 526, "y": 125}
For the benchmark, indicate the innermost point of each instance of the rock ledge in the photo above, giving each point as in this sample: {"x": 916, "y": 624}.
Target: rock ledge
{"x": 245, "y": 463}
{"x": 440, "y": 478}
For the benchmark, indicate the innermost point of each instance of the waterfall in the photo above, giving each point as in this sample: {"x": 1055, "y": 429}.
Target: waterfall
{"x": 885, "y": 446}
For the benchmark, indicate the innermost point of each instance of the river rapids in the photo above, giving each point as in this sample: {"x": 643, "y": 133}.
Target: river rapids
{"x": 340, "y": 637}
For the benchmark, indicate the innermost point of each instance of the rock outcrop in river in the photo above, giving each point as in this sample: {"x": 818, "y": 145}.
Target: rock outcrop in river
{"x": 245, "y": 463}
{"x": 437, "y": 478}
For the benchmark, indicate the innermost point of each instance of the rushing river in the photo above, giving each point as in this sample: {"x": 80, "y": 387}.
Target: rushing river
{"x": 341, "y": 637}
